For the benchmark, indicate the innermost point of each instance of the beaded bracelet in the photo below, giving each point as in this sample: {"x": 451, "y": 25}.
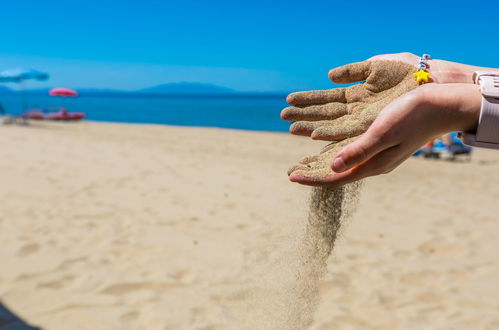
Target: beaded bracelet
{"x": 422, "y": 74}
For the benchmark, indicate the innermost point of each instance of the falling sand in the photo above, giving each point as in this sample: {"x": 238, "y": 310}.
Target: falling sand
{"x": 287, "y": 296}
{"x": 328, "y": 208}
{"x": 340, "y": 112}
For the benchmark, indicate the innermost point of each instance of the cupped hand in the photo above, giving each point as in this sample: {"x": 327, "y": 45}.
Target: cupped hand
{"x": 315, "y": 170}
{"x": 341, "y": 113}
{"x": 401, "y": 128}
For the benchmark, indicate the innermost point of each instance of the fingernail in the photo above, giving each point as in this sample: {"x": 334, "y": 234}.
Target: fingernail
{"x": 338, "y": 165}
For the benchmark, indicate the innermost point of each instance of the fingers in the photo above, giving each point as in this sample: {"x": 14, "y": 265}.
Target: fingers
{"x": 305, "y": 128}
{"x": 317, "y": 166}
{"x": 330, "y": 130}
{"x": 317, "y": 97}
{"x": 309, "y": 177}
{"x": 304, "y": 164}
{"x": 339, "y": 129}
{"x": 309, "y": 159}
{"x": 315, "y": 112}
{"x": 351, "y": 73}
{"x": 380, "y": 163}
{"x": 360, "y": 151}
{"x": 324, "y": 178}
{"x": 297, "y": 167}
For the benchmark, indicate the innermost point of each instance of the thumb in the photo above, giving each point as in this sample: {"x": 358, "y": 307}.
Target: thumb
{"x": 359, "y": 151}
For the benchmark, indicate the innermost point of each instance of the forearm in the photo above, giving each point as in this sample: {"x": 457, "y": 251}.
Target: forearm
{"x": 451, "y": 72}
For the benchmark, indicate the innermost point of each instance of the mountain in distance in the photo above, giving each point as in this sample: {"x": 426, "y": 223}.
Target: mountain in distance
{"x": 177, "y": 88}
{"x": 186, "y": 88}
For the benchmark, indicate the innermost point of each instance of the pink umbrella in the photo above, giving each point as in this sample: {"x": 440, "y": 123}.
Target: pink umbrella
{"x": 64, "y": 92}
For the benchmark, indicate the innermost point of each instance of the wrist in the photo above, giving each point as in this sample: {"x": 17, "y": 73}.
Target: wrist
{"x": 470, "y": 103}
{"x": 455, "y": 107}
{"x": 445, "y": 72}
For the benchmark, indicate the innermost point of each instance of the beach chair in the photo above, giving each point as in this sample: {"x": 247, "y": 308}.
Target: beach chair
{"x": 455, "y": 150}
{"x": 6, "y": 119}
{"x": 436, "y": 149}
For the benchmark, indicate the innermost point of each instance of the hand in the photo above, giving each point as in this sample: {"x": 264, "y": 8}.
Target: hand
{"x": 400, "y": 129}
{"x": 320, "y": 114}
{"x": 315, "y": 170}
{"x": 341, "y": 113}
{"x": 442, "y": 72}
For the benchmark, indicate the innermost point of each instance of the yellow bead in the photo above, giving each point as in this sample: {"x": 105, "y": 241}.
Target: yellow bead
{"x": 421, "y": 76}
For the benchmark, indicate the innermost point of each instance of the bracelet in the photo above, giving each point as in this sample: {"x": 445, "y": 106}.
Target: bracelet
{"x": 487, "y": 133}
{"x": 422, "y": 74}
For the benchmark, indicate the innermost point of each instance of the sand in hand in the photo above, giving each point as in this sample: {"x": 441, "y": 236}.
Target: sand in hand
{"x": 340, "y": 113}
{"x": 333, "y": 114}
{"x": 337, "y": 114}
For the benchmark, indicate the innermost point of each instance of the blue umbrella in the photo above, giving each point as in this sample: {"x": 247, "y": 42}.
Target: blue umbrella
{"x": 19, "y": 75}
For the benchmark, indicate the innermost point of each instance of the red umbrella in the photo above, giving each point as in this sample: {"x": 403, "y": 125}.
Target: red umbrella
{"x": 65, "y": 92}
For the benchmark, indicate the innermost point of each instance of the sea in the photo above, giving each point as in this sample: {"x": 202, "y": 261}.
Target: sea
{"x": 236, "y": 111}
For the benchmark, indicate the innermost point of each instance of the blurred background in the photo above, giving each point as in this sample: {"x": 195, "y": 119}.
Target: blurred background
{"x": 197, "y": 63}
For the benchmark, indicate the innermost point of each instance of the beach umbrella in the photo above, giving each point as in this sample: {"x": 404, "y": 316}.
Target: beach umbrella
{"x": 19, "y": 75}
{"x": 63, "y": 92}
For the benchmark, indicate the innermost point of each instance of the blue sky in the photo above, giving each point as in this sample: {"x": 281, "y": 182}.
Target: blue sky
{"x": 250, "y": 46}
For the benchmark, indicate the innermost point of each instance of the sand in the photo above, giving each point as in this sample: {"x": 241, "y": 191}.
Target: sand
{"x": 328, "y": 209}
{"x": 336, "y": 114}
{"x": 341, "y": 113}
{"x": 107, "y": 226}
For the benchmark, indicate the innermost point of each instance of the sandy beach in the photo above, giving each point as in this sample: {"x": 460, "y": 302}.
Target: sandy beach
{"x": 110, "y": 226}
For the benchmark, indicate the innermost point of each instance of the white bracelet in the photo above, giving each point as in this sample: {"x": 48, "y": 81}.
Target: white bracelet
{"x": 422, "y": 75}
{"x": 487, "y": 133}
